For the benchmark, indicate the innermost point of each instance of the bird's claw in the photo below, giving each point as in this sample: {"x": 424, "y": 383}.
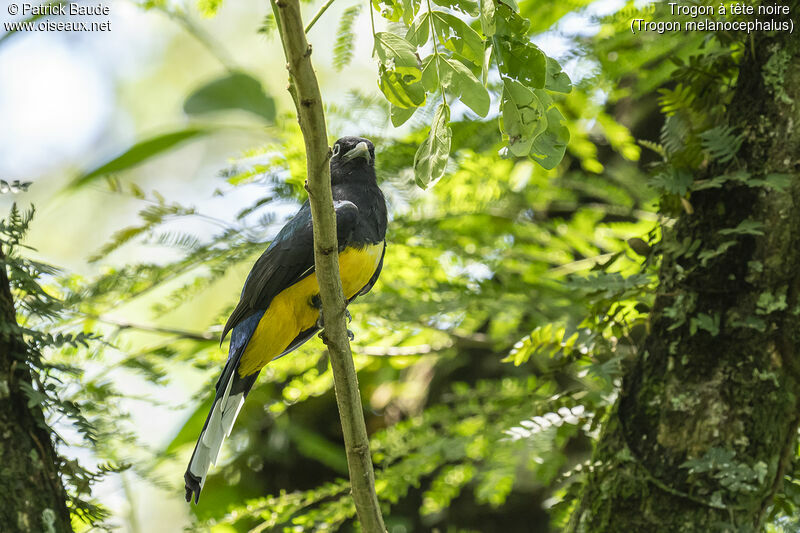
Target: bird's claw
{"x": 321, "y": 326}
{"x": 321, "y": 321}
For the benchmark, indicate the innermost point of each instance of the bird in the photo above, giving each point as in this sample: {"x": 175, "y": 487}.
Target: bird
{"x": 280, "y": 308}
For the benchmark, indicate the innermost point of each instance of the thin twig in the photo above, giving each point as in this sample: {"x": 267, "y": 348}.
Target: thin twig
{"x": 321, "y": 11}
{"x": 182, "y": 333}
{"x": 203, "y": 37}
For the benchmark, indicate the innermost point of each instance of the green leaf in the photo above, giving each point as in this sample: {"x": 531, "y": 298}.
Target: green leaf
{"x": 523, "y": 117}
{"x": 395, "y": 10}
{"x": 343, "y": 48}
{"x": 745, "y": 227}
{"x": 403, "y": 91}
{"x": 459, "y": 80}
{"x": 139, "y": 153}
{"x": 557, "y": 80}
{"x": 523, "y": 61}
{"x": 488, "y": 25}
{"x": 400, "y": 115}
{"x": 233, "y": 91}
{"x": 430, "y": 73}
{"x": 458, "y": 36}
{"x": 705, "y": 322}
{"x": 399, "y": 72}
{"x": 419, "y": 31}
{"x": 721, "y": 143}
{"x": 507, "y": 21}
{"x": 430, "y": 160}
{"x": 395, "y": 52}
{"x": 470, "y": 7}
{"x": 393, "y": 48}
{"x": 769, "y": 302}
{"x": 549, "y": 147}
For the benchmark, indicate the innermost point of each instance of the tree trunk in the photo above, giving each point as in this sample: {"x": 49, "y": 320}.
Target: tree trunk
{"x": 707, "y": 417}
{"x": 32, "y": 497}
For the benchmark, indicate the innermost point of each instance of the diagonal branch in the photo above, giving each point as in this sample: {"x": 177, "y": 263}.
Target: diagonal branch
{"x": 310, "y": 114}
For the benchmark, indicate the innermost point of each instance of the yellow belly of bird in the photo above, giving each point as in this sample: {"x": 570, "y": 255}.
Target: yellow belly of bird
{"x": 291, "y": 311}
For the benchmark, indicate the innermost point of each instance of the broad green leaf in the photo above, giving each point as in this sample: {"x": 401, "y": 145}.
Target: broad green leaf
{"x": 430, "y": 160}
{"x": 458, "y": 36}
{"x": 396, "y": 10}
{"x": 459, "y": 80}
{"x": 400, "y": 115}
{"x": 419, "y": 31}
{"x": 523, "y": 61}
{"x": 470, "y": 7}
{"x": 475, "y": 68}
{"x": 488, "y": 25}
{"x": 549, "y": 147}
{"x": 396, "y": 53}
{"x": 234, "y": 91}
{"x": 139, "y": 153}
{"x": 557, "y": 80}
{"x": 508, "y": 23}
{"x": 401, "y": 90}
{"x": 399, "y": 72}
{"x": 523, "y": 117}
{"x": 430, "y": 73}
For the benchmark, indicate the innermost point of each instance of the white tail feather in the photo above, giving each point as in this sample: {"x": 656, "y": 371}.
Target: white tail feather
{"x": 220, "y": 424}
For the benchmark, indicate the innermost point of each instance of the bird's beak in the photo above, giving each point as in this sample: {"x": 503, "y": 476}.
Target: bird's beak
{"x": 360, "y": 150}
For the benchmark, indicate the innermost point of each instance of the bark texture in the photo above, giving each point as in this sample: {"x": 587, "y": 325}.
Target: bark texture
{"x": 706, "y": 421}
{"x": 32, "y": 496}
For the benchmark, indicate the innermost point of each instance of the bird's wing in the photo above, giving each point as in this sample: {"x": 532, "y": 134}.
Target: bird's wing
{"x": 288, "y": 259}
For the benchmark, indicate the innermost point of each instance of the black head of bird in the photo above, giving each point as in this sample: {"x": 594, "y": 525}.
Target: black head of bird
{"x": 352, "y": 159}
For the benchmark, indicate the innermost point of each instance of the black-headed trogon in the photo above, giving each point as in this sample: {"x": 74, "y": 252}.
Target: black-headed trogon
{"x": 279, "y": 308}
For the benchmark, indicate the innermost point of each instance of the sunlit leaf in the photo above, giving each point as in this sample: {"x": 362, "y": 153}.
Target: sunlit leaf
{"x": 459, "y": 80}
{"x": 430, "y": 160}
{"x": 549, "y": 147}
{"x": 458, "y": 36}
{"x": 523, "y": 117}
{"x": 523, "y": 61}
{"x": 557, "y": 80}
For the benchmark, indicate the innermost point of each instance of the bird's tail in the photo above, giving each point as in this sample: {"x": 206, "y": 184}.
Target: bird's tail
{"x": 231, "y": 392}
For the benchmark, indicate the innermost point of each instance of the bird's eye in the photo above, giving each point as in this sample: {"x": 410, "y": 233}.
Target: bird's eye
{"x": 335, "y": 150}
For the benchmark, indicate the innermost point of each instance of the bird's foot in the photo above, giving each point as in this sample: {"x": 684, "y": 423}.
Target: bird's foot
{"x": 321, "y": 325}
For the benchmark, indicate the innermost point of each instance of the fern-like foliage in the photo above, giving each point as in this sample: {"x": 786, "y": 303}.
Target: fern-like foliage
{"x": 268, "y": 25}
{"x": 39, "y": 311}
{"x": 480, "y": 440}
{"x": 343, "y": 49}
{"x": 721, "y": 143}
